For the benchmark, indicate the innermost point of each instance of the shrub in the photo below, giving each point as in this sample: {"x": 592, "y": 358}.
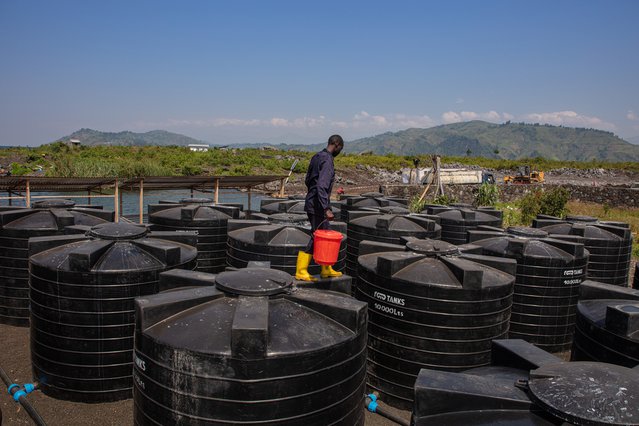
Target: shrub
{"x": 18, "y": 169}
{"x": 487, "y": 195}
{"x": 444, "y": 200}
{"x": 551, "y": 202}
{"x": 415, "y": 205}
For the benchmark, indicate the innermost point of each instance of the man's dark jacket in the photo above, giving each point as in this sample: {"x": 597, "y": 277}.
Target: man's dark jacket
{"x": 319, "y": 181}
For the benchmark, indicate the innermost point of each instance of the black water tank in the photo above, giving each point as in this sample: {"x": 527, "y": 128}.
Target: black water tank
{"x": 374, "y": 200}
{"x": 291, "y": 205}
{"x": 82, "y": 305}
{"x": 16, "y": 227}
{"x": 609, "y": 244}
{"x": 288, "y": 219}
{"x": 549, "y": 274}
{"x": 275, "y": 243}
{"x": 384, "y": 228}
{"x": 384, "y": 210}
{"x": 457, "y": 221}
{"x": 282, "y": 206}
{"x": 525, "y": 386}
{"x": 430, "y": 307}
{"x": 204, "y": 201}
{"x": 251, "y": 350}
{"x": 210, "y": 222}
{"x": 636, "y": 281}
{"x": 607, "y": 328}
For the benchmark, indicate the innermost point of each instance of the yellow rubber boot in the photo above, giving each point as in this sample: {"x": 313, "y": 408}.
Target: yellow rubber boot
{"x": 303, "y": 260}
{"x": 327, "y": 271}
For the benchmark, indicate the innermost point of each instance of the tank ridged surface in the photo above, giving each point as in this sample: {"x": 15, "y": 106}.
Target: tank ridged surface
{"x": 457, "y": 221}
{"x": 385, "y": 228}
{"x": 278, "y": 243}
{"x": 430, "y": 307}
{"x": 210, "y": 222}
{"x": 16, "y": 227}
{"x": 607, "y": 331}
{"x": 525, "y": 386}
{"x": 549, "y": 274}
{"x": 370, "y": 200}
{"x": 609, "y": 244}
{"x": 282, "y": 206}
{"x": 251, "y": 350}
{"x": 82, "y": 305}
{"x": 290, "y": 205}
{"x": 205, "y": 201}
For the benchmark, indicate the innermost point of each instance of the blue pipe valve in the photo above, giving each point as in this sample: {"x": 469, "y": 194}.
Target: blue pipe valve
{"x": 24, "y": 391}
{"x": 372, "y": 406}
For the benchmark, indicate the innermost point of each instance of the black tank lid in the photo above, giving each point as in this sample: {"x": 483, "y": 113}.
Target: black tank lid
{"x": 196, "y": 200}
{"x": 118, "y": 231}
{"x": 525, "y": 231}
{"x": 577, "y": 218}
{"x": 432, "y": 248}
{"x": 285, "y": 218}
{"x": 254, "y": 282}
{"x": 587, "y": 393}
{"x": 52, "y": 203}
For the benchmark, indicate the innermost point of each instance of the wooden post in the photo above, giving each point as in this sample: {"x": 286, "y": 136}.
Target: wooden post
{"x": 116, "y": 201}
{"x": 141, "y": 200}
{"x": 217, "y": 191}
{"x": 9, "y": 195}
{"x": 249, "y": 198}
{"x": 28, "y": 191}
{"x": 89, "y": 197}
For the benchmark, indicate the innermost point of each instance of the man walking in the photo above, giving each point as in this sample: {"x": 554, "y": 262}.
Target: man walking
{"x": 319, "y": 181}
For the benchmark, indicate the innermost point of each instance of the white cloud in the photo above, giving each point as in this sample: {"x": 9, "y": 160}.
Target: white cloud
{"x": 632, "y": 116}
{"x": 469, "y": 115}
{"x": 279, "y": 122}
{"x": 568, "y": 118}
{"x": 362, "y": 121}
{"x": 492, "y": 116}
{"x": 451, "y": 117}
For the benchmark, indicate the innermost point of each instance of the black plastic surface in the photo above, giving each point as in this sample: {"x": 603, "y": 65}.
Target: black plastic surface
{"x": 204, "y": 356}
{"x": 548, "y": 279}
{"x": 210, "y": 222}
{"x": 82, "y": 306}
{"x": 17, "y": 225}
{"x": 429, "y": 312}
{"x": 607, "y": 330}
{"x": 275, "y": 243}
{"x": 587, "y": 393}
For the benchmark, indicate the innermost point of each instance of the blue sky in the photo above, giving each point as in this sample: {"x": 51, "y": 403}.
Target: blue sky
{"x": 298, "y": 71}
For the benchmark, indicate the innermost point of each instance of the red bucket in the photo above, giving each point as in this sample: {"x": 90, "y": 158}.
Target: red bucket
{"x": 326, "y": 246}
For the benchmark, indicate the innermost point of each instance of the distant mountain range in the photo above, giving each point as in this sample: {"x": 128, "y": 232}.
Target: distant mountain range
{"x": 472, "y": 138}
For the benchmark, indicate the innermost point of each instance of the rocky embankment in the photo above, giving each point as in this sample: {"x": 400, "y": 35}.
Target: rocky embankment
{"x": 602, "y": 186}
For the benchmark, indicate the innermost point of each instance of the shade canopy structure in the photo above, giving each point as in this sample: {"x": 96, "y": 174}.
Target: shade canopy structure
{"x": 21, "y": 187}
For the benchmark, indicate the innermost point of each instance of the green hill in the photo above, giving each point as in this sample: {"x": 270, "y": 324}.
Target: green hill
{"x": 473, "y": 138}
{"x": 155, "y": 137}
{"x": 509, "y": 141}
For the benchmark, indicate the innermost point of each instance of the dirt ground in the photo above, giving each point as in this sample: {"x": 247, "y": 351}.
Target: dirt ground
{"x": 15, "y": 361}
